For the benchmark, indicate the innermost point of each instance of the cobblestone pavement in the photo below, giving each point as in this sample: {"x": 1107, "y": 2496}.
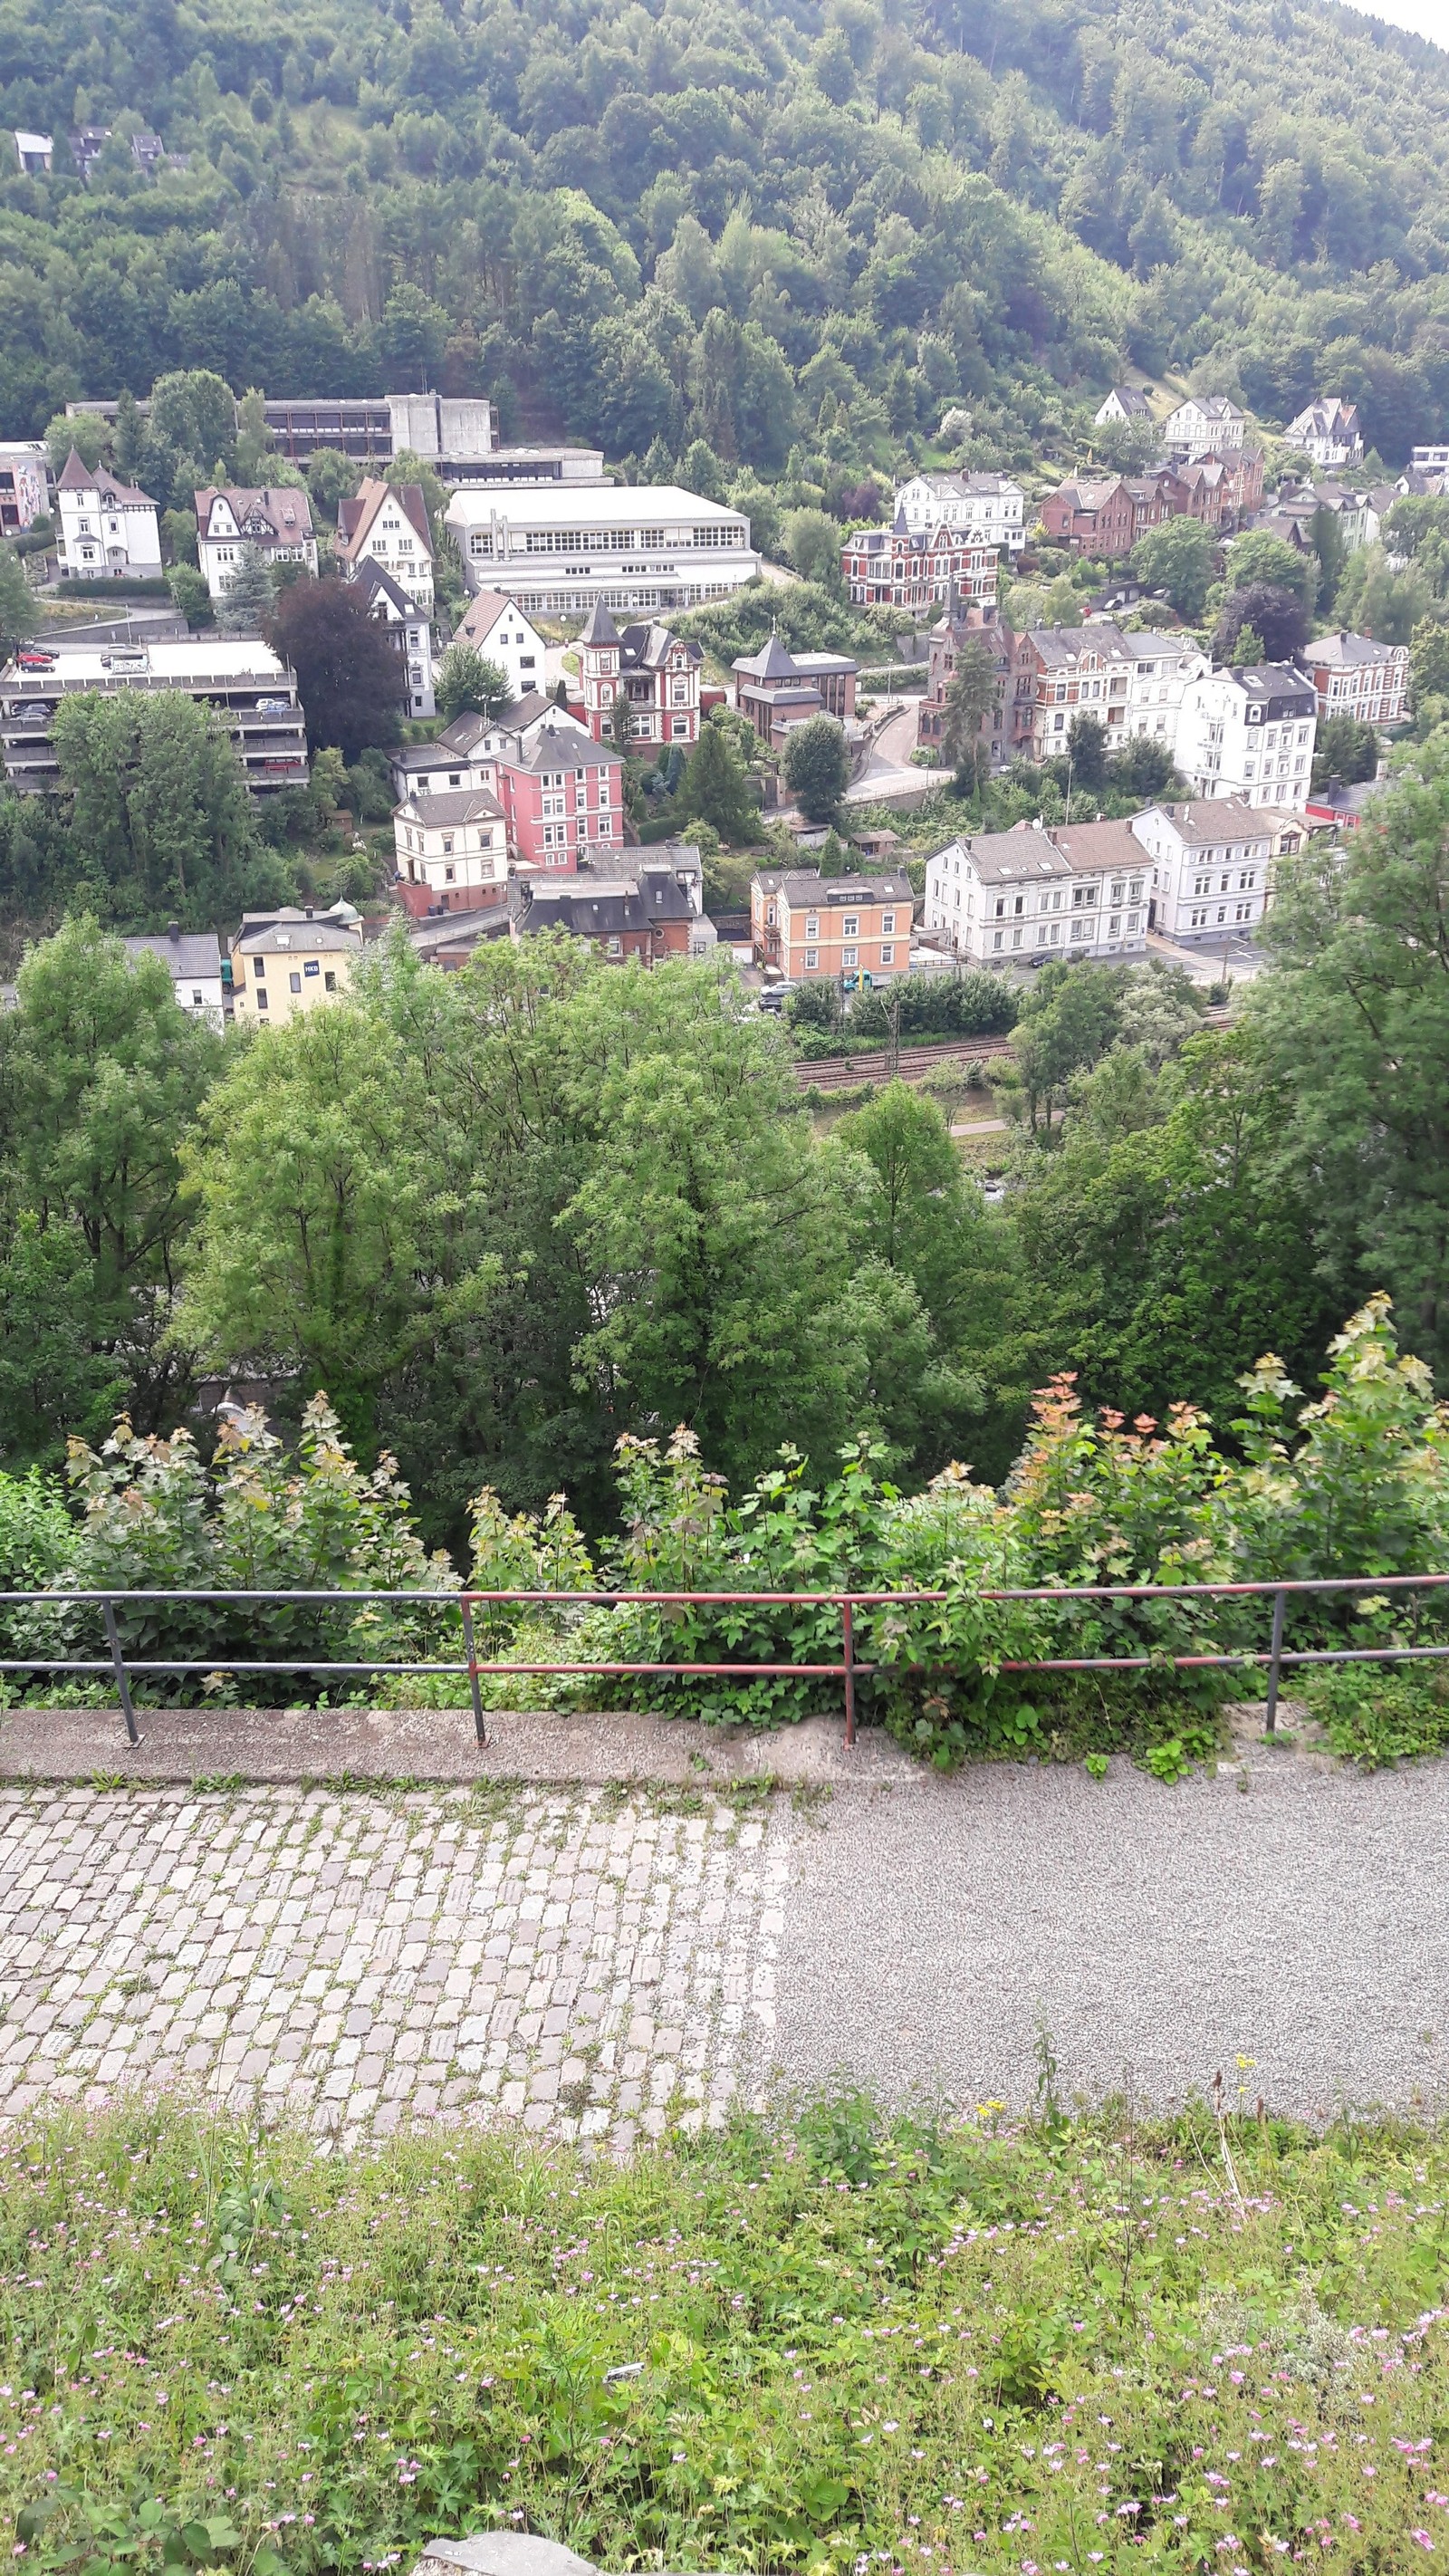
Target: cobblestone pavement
{"x": 590, "y": 1964}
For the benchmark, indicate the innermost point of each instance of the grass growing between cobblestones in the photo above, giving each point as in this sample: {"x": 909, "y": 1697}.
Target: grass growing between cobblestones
{"x": 1073, "y": 2348}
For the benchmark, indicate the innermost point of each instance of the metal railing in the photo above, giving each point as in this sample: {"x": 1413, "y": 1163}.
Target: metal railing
{"x": 849, "y": 1668}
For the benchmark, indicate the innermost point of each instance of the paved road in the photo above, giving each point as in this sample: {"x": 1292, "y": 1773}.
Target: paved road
{"x": 593, "y": 1961}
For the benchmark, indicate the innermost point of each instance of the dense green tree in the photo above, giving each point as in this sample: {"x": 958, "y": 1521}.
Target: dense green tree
{"x": 507, "y": 1214}
{"x": 191, "y": 593}
{"x": 1273, "y": 615}
{"x": 817, "y": 767}
{"x": 1258, "y": 560}
{"x": 1355, "y": 1020}
{"x": 1180, "y": 558}
{"x": 348, "y": 675}
{"x": 715, "y": 787}
{"x": 19, "y": 616}
{"x": 1344, "y": 748}
{"x": 160, "y": 821}
{"x": 101, "y": 1075}
{"x": 1161, "y": 1247}
{"x": 1087, "y": 751}
{"x": 331, "y": 477}
{"x": 467, "y": 679}
{"x": 1429, "y": 660}
{"x": 811, "y": 541}
{"x": 970, "y": 698}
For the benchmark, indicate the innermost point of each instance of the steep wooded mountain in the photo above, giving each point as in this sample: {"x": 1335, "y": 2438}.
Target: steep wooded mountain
{"x": 751, "y": 224}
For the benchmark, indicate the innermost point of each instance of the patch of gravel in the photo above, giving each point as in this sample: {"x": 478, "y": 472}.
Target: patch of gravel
{"x": 1290, "y": 1913}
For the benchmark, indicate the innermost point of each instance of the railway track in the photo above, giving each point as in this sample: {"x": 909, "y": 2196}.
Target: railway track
{"x": 842, "y": 1072}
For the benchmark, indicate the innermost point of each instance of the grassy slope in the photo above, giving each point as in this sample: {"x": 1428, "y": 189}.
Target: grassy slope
{"x": 1074, "y": 2348}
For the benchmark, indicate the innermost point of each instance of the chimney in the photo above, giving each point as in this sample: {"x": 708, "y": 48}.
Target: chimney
{"x": 308, "y": 909}
{"x": 173, "y": 929}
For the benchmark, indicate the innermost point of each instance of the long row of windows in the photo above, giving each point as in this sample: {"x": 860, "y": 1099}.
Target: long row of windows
{"x": 727, "y": 533}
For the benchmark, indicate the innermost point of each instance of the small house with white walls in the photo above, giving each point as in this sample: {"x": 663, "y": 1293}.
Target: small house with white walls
{"x": 109, "y": 531}
{"x": 387, "y": 524}
{"x": 497, "y": 628}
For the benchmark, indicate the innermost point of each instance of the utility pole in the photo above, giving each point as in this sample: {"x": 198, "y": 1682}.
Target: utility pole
{"x": 893, "y": 1043}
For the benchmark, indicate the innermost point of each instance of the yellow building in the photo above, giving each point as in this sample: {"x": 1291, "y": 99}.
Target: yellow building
{"x": 289, "y": 961}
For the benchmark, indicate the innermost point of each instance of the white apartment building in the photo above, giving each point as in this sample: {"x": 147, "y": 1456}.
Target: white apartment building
{"x": 636, "y": 546}
{"x": 1249, "y": 733}
{"x": 251, "y": 691}
{"x": 497, "y": 628}
{"x": 277, "y": 520}
{"x": 1135, "y": 684}
{"x": 1162, "y": 670}
{"x": 108, "y": 530}
{"x": 988, "y": 507}
{"x": 1212, "y": 864}
{"x": 1328, "y": 431}
{"x": 454, "y": 843}
{"x": 1041, "y": 891}
{"x": 1204, "y": 425}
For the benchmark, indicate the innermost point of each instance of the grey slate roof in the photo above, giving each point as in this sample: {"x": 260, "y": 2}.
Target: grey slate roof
{"x": 453, "y": 805}
{"x": 191, "y": 957}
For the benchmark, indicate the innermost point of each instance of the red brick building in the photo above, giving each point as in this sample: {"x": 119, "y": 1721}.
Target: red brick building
{"x": 653, "y": 670}
{"x": 898, "y": 567}
{"x": 966, "y": 618}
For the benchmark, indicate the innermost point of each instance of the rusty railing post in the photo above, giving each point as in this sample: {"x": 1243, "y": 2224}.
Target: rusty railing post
{"x": 479, "y": 1728}
{"x": 847, "y": 1638}
{"x": 113, "y": 1640}
{"x": 1280, "y": 1604}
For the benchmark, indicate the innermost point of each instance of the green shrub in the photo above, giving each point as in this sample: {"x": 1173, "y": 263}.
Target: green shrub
{"x": 1374, "y": 1714}
{"x": 151, "y": 1516}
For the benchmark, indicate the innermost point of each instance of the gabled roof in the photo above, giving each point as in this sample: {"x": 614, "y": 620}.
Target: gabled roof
{"x": 357, "y": 514}
{"x": 1086, "y": 846}
{"x": 1132, "y": 400}
{"x": 191, "y": 955}
{"x": 283, "y": 510}
{"x": 297, "y": 938}
{"x": 483, "y": 613}
{"x": 376, "y": 582}
{"x": 76, "y": 476}
{"x": 1010, "y": 858}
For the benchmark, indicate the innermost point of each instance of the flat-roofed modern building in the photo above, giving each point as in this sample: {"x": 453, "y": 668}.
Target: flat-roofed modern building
{"x": 635, "y": 546}
{"x": 253, "y": 692}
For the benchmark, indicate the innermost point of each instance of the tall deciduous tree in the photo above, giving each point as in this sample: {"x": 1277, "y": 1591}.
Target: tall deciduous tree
{"x": 101, "y": 1074}
{"x": 1356, "y": 1020}
{"x": 1179, "y": 558}
{"x": 348, "y": 676}
{"x": 161, "y": 823}
{"x": 817, "y": 767}
{"x": 467, "y": 679}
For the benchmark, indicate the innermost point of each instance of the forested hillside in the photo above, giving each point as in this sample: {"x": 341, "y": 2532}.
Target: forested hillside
{"x": 738, "y": 222}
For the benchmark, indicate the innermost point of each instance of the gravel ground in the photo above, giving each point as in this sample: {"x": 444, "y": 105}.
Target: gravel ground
{"x": 930, "y": 1929}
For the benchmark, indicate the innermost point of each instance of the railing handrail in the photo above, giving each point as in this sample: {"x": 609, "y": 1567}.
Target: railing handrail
{"x": 465, "y": 1598}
